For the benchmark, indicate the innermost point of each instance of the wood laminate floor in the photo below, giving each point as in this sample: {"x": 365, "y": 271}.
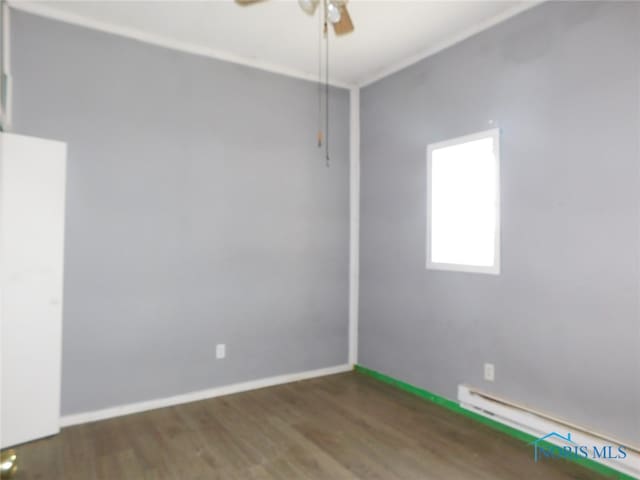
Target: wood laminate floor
{"x": 345, "y": 426}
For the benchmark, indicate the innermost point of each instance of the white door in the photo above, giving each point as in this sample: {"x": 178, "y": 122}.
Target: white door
{"x": 32, "y": 198}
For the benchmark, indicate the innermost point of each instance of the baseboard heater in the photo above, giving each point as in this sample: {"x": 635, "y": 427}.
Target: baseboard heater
{"x": 539, "y": 425}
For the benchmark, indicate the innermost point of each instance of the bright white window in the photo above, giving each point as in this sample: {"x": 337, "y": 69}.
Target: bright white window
{"x": 463, "y": 204}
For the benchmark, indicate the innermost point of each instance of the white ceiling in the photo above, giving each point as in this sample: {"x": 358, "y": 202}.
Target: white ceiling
{"x": 277, "y": 35}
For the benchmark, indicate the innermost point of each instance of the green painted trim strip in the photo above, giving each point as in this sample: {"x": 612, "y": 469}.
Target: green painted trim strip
{"x": 513, "y": 432}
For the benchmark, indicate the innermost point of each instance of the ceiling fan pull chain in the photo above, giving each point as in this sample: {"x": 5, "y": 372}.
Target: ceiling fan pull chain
{"x": 326, "y": 36}
{"x": 320, "y": 136}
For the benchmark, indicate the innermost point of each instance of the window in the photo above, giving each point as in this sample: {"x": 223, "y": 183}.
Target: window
{"x": 463, "y": 204}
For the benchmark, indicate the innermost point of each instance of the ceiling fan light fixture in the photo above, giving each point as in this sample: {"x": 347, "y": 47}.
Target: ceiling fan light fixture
{"x": 333, "y": 12}
{"x": 308, "y": 6}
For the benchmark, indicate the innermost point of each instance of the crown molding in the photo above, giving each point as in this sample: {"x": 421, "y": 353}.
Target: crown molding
{"x": 449, "y": 42}
{"x": 43, "y": 10}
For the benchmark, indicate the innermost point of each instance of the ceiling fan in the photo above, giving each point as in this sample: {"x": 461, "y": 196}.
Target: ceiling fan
{"x": 335, "y": 12}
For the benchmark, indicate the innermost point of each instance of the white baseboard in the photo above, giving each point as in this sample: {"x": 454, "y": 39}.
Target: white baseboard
{"x": 86, "y": 417}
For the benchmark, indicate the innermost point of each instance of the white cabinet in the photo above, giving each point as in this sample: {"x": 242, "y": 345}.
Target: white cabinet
{"x": 32, "y": 199}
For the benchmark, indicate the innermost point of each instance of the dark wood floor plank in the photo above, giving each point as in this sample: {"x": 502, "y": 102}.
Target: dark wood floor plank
{"x": 341, "y": 427}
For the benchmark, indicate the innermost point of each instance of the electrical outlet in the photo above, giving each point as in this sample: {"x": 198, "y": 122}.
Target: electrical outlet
{"x": 489, "y": 372}
{"x": 221, "y": 351}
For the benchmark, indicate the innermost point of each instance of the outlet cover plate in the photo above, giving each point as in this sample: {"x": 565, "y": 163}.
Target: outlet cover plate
{"x": 489, "y": 372}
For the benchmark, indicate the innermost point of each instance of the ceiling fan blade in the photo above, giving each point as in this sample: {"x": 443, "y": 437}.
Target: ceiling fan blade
{"x": 345, "y": 25}
{"x": 244, "y": 3}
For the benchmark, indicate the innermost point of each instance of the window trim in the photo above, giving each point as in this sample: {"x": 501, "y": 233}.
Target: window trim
{"x": 494, "y": 269}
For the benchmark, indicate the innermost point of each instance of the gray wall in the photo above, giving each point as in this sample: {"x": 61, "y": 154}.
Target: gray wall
{"x": 199, "y": 211}
{"x": 562, "y": 321}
